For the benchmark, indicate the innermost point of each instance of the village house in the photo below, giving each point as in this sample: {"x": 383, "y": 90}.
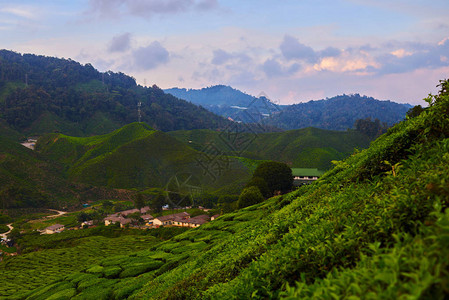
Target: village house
{"x": 170, "y": 219}
{"x": 148, "y": 219}
{"x": 197, "y": 221}
{"x": 214, "y": 217}
{"x": 57, "y": 228}
{"x": 303, "y": 176}
{"x": 113, "y": 219}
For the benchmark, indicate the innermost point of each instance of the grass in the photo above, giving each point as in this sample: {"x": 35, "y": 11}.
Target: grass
{"x": 302, "y": 148}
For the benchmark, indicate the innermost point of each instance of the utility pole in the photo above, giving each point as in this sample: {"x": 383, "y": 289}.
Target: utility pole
{"x": 138, "y": 110}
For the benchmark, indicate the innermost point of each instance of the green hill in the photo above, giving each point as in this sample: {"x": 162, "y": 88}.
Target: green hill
{"x": 376, "y": 226}
{"x": 305, "y": 148}
{"x": 136, "y": 156}
{"x": 30, "y": 180}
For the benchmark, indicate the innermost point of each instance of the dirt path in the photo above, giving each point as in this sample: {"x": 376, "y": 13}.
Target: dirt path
{"x": 3, "y": 235}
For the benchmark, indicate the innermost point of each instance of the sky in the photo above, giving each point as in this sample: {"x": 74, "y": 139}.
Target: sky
{"x": 293, "y": 51}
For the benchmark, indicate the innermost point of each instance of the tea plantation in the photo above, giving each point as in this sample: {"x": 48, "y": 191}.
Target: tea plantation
{"x": 376, "y": 226}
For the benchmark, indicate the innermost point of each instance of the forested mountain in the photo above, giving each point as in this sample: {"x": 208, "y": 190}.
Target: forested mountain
{"x": 41, "y": 94}
{"x": 304, "y": 148}
{"x": 339, "y": 113}
{"x": 229, "y": 102}
{"x": 376, "y": 227}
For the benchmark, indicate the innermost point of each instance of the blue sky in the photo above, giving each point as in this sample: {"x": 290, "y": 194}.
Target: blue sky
{"x": 294, "y": 51}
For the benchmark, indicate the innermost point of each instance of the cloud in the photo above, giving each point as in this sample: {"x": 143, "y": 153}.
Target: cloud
{"x": 330, "y": 52}
{"x": 272, "y": 68}
{"x": 19, "y": 11}
{"x": 150, "y": 57}
{"x": 147, "y": 8}
{"x": 221, "y": 57}
{"x": 120, "y": 43}
{"x": 291, "y": 48}
{"x": 207, "y": 4}
{"x": 413, "y": 56}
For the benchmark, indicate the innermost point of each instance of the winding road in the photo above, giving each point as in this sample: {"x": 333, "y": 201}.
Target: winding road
{"x": 60, "y": 213}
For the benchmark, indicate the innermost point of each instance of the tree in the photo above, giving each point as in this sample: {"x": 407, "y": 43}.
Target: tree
{"x": 415, "y": 111}
{"x": 277, "y": 175}
{"x": 139, "y": 201}
{"x": 370, "y": 128}
{"x": 260, "y": 183}
{"x": 250, "y": 196}
{"x": 157, "y": 202}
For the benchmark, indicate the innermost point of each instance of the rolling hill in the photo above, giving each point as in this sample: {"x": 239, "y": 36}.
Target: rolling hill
{"x": 137, "y": 156}
{"x": 28, "y": 180}
{"x": 376, "y": 226}
{"x": 306, "y": 148}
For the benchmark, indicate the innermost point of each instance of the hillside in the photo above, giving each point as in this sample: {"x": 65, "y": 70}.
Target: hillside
{"x": 29, "y": 180}
{"x": 41, "y": 94}
{"x": 339, "y": 113}
{"x": 376, "y": 226}
{"x": 306, "y": 148}
{"x": 134, "y": 156}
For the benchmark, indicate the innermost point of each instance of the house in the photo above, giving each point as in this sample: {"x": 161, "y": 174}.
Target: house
{"x": 197, "y": 221}
{"x": 303, "y": 176}
{"x": 128, "y": 212}
{"x": 112, "y": 219}
{"x": 57, "y": 228}
{"x": 214, "y": 217}
{"x": 148, "y": 219}
{"x": 144, "y": 210}
{"x": 87, "y": 223}
{"x": 170, "y": 219}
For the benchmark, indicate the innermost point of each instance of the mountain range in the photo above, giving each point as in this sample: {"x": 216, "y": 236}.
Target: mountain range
{"x": 336, "y": 113}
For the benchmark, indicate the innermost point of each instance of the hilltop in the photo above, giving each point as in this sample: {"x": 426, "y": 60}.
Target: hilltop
{"x": 339, "y": 113}
{"x": 375, "y": 226}
{"x": 40, "y": 94}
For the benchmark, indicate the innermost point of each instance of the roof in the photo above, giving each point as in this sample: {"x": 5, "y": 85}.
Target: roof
{"x": 306, "y": 172}
{"x": 118, "y": 219}
{"x": 129, "y": 211}
{"x": 181, "y": 215}
{"x": 144, "y": 209}
{"x": 54, "y": 227}
{"x": 199, "y": 221}
{"x": 147, "y": 217}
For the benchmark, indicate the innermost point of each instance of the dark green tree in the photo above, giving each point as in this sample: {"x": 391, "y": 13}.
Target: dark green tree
{"x": 260, "y": 183}
{"x": 277, "y": 175}
{"x": 157, "y": 202}
{"x": 250, "y": 196}
{"x": 139, "y": 201}
{"x": 415, "y": 111}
